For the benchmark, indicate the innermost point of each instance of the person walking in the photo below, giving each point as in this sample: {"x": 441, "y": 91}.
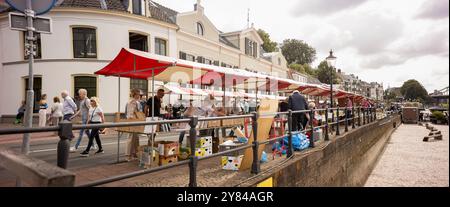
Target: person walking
{"x": 95, "y": 116}
{"x": 83, "y": 111}
{"x": 56, "y": 111}
{"x": 298, "y": 102}
{"x": 132, "y": 108}
{"x": 69, "y": 106}
{"x": 43, "y": 106}
{"x": 20, "y": 113}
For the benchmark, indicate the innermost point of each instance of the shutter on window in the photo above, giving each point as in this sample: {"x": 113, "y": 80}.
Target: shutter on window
{"x": 255, "y": 49}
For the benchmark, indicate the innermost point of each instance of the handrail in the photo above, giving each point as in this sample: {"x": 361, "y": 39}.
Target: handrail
{"x": 65, "y": 131}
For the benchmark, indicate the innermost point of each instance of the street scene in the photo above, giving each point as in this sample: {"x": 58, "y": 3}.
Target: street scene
{"x": 202, "y": 93}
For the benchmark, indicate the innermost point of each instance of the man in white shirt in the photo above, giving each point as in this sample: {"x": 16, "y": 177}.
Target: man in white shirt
{"x": 69, "y": 106}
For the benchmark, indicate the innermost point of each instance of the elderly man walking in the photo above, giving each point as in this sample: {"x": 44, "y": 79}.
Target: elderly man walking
{"x": 69, "y": 106}
{"x": 84, "y": 112}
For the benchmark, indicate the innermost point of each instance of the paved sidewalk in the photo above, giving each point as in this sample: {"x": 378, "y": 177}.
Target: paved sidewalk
{"x": 410, "y": 162}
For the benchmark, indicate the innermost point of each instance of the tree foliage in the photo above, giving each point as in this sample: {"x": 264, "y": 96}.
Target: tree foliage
{"x": 413, "y": 90}
{"x": 323, "y": 73}
{"x": 297, "y": 67}
{"x": 297, "y": 51}
{"x": 269, "y": 45}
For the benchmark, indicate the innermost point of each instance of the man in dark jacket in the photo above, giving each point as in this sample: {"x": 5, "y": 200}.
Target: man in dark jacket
{"x": 298, "y": 102}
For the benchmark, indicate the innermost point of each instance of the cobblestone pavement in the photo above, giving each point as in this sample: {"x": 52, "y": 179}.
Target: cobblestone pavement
{"x": 410, "y": 162}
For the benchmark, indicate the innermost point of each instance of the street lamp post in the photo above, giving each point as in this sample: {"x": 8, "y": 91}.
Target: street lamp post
{"x": 331, "y": 62}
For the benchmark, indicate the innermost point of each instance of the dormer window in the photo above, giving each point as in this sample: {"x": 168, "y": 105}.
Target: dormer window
{"x": 200, "y": 30}
{"x": 137, "y": 7}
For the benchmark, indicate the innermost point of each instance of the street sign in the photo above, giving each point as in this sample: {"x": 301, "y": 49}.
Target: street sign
{"x": 18, "y": 21}
{"x": 38, "y": 6}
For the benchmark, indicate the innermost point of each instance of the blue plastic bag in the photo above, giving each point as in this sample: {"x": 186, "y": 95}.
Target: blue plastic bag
{"x": 264, "y": 157}
{"x": 299, "y": 141}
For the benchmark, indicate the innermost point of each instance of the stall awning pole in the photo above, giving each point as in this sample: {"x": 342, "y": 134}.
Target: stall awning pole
{"x": 118, "y": 133}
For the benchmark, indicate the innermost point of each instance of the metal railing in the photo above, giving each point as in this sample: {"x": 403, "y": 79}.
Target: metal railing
{"x": 65, "y": 132}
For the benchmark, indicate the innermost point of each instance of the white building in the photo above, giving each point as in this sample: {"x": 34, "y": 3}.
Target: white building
{"x": 201, "y": 41}
{"x": 87, "y": 34}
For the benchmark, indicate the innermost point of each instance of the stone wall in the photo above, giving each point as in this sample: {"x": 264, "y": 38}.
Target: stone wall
{"x": 345, "y": 161}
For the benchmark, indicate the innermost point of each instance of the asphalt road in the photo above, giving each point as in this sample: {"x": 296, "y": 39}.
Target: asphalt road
{"x": 45, "y": 149}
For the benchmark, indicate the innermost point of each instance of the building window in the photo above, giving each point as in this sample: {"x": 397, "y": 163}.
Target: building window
{"x": 139, "y": 84}
{"x": 137, "y": 7}
{"x": 200, "y": 30}
{"x": 160, "y": 46}
{"x": 207, "y": 61}
{"x": 279, "y": 61}
{"x": 37, "y": 88}
{"x": 251, "y": 47}
{"x": 84, "y": 43}
{"x": 138, "y": 41}
{"x": 201, "y": 59}
{"x": 182, "y": 55}
{"x": 37, "y": 43}
{"x": 87, "y": 82}
{"x": 190, "y": 58}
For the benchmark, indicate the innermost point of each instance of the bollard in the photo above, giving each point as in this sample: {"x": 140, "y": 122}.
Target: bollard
{"x": 326, "y": 125}
{"x": 311, "y": 137}
{"x": 337, "y": 121}
{"x": 193, "y": 159}
{"x": 290, "y": 150}
{"x": 346, "y": 119}
{"x": 256, "y": 167}
{"x": 65, "y": 135}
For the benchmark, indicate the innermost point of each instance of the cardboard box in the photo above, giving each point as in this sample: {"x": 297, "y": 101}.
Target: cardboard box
{"x": 144, "y": 157}
{"x": 203, "y": 151}
{"x": 168, "y": 160}
{"x": 203, "y": 142}
{"x": 232, "y": 163}
{"x": 167, "y": 149}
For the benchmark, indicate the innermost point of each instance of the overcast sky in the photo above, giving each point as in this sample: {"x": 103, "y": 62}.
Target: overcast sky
{"x": 388, "y": 41}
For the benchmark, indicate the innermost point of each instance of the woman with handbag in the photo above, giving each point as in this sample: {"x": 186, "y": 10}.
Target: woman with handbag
{"x": 95, "y": 116}
{"x": 132, "y": 108}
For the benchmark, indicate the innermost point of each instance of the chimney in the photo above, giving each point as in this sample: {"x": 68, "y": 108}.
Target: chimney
{"x": 198, "y": 7}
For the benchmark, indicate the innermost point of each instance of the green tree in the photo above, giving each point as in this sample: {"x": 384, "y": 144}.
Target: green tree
{"x": 323, "y": 73}
{"x": 297, "y": 67}
{"x": 297, "y": 51}
{"x": 413, "y": 90}
{"x": 269, "y": 45}
{"x": 389, "y": 95}
{"x": 309, "y": 70}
